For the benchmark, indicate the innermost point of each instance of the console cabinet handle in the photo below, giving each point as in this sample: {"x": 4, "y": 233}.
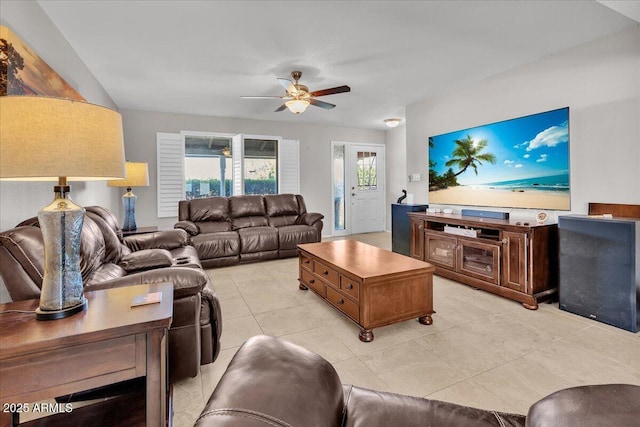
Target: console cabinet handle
{"x": 340, "y": 301}
{"x": 349, "y": 286}
{"x": 306, "y": 261}
{"x": 505, "y": 241}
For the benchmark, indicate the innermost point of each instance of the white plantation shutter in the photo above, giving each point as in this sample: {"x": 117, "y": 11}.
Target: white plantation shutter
{"x": 170, "y": 152}
{"x": 289, "y": 166}
{"x": 237, "y": 150}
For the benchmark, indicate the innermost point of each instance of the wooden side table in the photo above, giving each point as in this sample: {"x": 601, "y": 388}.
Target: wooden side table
{"x": 108, "y": 343}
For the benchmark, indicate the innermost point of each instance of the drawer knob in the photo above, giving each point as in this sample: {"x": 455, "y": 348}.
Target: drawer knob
{"x": 349, "y": 286}
{"x": 326, "y": 272}
{"x": 312, "y": 281}
{"x": 340, "y": 301}
{"x": 306, "y": 261}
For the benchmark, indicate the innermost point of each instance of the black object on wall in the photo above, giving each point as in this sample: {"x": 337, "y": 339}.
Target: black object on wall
{"x": 400, "y": 229}
{"x": 600, "y": 269}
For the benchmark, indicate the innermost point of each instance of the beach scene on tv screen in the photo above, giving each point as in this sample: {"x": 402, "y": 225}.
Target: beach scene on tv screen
{"x": 517, "y": 163}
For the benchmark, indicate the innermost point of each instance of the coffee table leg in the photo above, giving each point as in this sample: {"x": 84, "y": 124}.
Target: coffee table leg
{"x": 302, "y": 287}
{"x": 425, "y": 320}
{"x": 366, "y": 335}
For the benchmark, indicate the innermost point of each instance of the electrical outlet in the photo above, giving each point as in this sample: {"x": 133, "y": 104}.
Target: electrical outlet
{"x": 416, "y": 177}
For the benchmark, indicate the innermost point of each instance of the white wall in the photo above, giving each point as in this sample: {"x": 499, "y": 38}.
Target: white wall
{"x": 140, "y": 129}
{"x": 396, "y": 166}
{"x": 599, "y": 81}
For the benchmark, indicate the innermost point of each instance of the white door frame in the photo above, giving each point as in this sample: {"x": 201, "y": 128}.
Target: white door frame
{"x": 349, "y": 165}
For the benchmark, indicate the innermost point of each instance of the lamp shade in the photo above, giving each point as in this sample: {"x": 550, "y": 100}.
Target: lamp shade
{"x": 137, "y": 176}
{"x": 44, "y": 138}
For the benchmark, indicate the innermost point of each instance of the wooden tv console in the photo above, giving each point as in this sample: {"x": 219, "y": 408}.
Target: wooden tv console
{"x": 515, "y": 260}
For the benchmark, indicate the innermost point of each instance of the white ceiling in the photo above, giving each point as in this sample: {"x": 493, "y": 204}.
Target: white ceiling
{"x": 199, "y": 57}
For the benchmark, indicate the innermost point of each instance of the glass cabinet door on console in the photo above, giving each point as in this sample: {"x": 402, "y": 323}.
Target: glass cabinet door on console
{"x": 440, "y": 250}
{"x": 479, "y": 260}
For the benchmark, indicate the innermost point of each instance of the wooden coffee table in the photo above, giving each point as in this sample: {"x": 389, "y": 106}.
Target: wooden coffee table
{"x": 371, "y": 286}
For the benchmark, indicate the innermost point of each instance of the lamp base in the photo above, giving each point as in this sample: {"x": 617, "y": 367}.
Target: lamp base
{"x": 60, "y": 314}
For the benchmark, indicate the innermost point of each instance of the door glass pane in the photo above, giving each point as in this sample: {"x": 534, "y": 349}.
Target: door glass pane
{"x": 367, "y": 171}
{"x": 207, "y": 166}
{"x": 260, "y": 166}
{"x": 339, "y": 187}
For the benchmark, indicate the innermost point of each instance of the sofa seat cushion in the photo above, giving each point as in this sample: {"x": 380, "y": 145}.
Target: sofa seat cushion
{"x": 292, "y": 235}
{"x": 213, "y": 227}
{"x": 258, "y": 239}
{"x": 216, "y": 245}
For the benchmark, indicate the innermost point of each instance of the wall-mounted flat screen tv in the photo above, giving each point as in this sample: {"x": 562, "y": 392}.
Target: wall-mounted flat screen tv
{"x": 517, "y": 163}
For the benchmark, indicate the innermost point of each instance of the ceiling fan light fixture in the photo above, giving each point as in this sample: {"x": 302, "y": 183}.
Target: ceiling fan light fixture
{"x": 297, "y": 106}
{"x": 392, "y": 122}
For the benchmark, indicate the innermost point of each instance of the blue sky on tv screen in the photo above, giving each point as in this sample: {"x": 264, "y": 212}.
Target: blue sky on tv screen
{"x": 527, "y": 147}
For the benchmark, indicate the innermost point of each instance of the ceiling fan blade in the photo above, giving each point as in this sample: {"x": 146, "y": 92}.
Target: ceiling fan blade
{"x": 262, "y": 97}
{"x": 321, "y": 104}
{"x": 287, "y": 85}
{"x": 281, "y": 108}
{"x": 331, "y": 91}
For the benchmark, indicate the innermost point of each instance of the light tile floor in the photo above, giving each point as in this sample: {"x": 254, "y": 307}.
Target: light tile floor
{"x": 482, "y": 350}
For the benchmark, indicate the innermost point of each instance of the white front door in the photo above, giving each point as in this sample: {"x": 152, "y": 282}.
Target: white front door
{"x": 366, "y": 189}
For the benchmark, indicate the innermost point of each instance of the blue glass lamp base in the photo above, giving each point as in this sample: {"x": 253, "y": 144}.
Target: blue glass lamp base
{"x": 129, "y": 202}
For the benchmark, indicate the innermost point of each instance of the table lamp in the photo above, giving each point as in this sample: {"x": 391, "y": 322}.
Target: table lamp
{"x": 49, "y": 139}
{"x": 137, "y": 176}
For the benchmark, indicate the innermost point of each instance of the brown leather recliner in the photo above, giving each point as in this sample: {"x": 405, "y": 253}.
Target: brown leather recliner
{"x": 107, "y": 261}
{"x": 271, "y": 382}
{"x": 229, "y": 230}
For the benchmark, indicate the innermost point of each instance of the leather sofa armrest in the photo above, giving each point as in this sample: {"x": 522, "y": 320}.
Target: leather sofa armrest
{"x": 186, "y": 281}
{"x": 293, "y": 377}
{"x": 309, "y": 218}
{"x": 588, "y": 406}
{"x": 167, "y": 239}
{"x": 188, "y": 226}
{"x": 146, "y": 259}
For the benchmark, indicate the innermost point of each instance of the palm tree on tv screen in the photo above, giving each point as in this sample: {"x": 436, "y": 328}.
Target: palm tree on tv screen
{"x": 468, "y": 153}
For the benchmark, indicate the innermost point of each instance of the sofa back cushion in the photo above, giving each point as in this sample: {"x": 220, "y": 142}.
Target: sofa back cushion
{"x": 113, "y": 247}
{"x": 247, "y": 211}
{"x": 209, "y": 209}
{"x": 282, "y": 209}
{"x": 92, "y": 248}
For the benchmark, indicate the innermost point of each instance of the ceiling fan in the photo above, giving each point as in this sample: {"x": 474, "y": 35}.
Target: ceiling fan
{"x": 299, "y": 97}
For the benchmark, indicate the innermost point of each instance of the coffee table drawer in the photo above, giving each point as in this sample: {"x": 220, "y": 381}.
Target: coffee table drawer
{"x": 344, "y": 304}
{"x": 312, "y": 282}
{"x": 306, "y": 262}
{"x": 350, "y": 287}
{"x": 327, "y": 273}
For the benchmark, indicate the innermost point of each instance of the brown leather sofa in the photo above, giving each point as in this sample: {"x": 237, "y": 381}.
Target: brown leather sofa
{"x": 230, "y": 230}
{"x": 271, "y": 382}
{"x": 108, "y": 261}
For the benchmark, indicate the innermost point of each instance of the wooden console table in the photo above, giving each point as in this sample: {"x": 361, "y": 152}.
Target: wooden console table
{"x": 516, "y": 260}
{"x": 108, "y": 343}
{"x": 371, "y": 286}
